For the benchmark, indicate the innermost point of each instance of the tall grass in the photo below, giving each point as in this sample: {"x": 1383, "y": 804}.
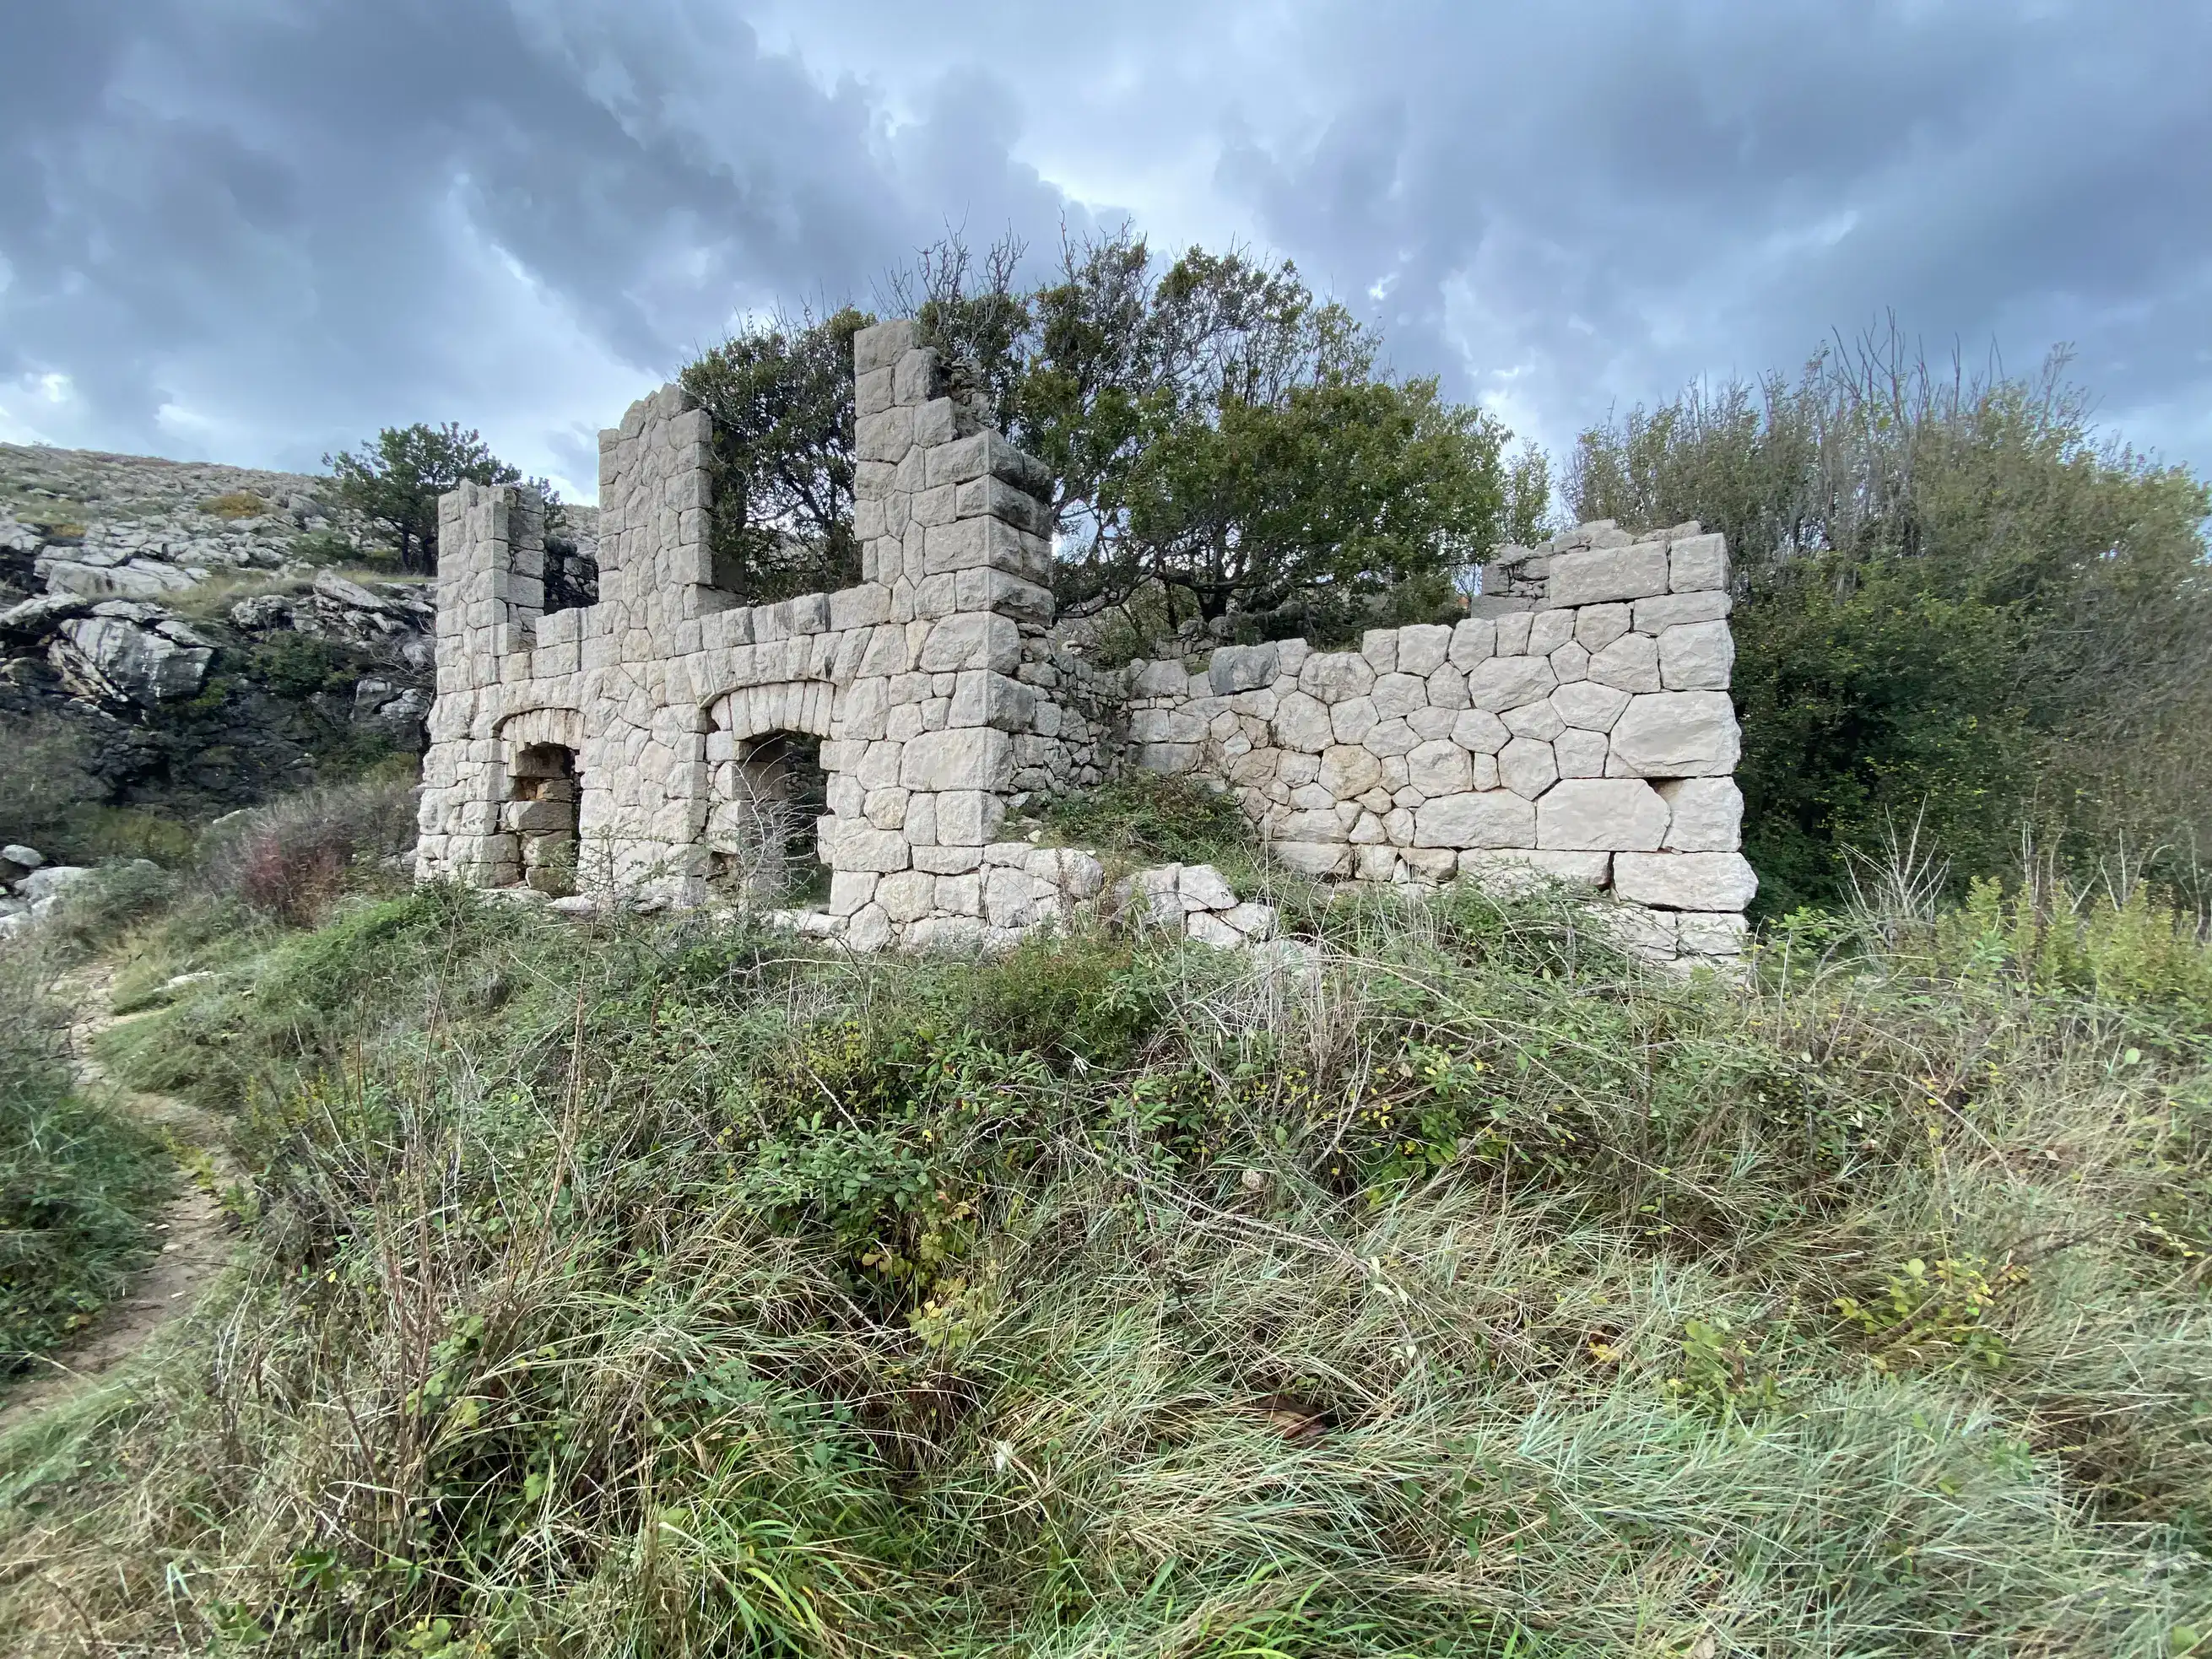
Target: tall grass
{"x": 655, "y": 1288}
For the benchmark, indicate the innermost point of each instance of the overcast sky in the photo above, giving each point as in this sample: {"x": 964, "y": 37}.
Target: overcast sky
{"x": 253, "y": 230}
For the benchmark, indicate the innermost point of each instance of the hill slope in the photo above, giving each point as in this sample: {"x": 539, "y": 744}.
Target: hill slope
{"x": 663, "y": 1286}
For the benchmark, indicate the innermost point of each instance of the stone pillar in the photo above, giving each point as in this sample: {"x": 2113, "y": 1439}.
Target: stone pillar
{"x": 491, "y": 554}
{"x": 955, "y": 562}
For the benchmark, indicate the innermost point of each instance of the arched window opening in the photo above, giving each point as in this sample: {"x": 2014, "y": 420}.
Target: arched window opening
{"x": 762, "y": 832}
{"x": 541, "y": 814}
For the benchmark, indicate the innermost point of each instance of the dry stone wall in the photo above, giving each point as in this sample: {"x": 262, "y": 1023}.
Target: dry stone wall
{"x": 1580, "y": 729}
{"x": 1577, "y": 726}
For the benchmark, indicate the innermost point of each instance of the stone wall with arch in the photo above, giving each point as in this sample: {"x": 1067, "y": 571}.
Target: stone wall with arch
{"x": 1575, "y": 725}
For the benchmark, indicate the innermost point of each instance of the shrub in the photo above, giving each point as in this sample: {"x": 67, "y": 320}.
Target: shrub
{"x": 1150, "y": 816}
{"x": 293, "y": 664}
{"x": 237, "y": 504}
{"x": 292, "y": 858}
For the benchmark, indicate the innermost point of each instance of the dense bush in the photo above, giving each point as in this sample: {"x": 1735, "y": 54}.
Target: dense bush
{"x": 291, "y": 859}
{"x": 1959, "y": 606}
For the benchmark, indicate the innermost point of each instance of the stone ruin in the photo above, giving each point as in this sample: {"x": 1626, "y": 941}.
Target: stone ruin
{"x": 669, "y": 743}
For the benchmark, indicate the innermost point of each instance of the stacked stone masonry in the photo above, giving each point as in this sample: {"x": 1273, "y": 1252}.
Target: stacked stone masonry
{"x": 1576, "y": 726}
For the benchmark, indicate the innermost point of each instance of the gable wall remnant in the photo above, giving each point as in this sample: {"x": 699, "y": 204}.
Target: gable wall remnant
{"x": 1577, "y": 726}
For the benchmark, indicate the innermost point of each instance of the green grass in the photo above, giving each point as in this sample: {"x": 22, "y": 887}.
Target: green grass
{"x": 1147, "y": 818}
{"x": 658, "y": 1287}
{"x": 78, "y": 1184}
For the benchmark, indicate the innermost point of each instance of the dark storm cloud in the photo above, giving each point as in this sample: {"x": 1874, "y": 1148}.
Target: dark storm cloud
{"x": 308, "y": 220}
{"x": 1566, "y": 206}
{"x": 257, "y": 229}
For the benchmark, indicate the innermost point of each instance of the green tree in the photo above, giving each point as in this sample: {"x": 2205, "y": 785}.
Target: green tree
{"x": 395, "y": 482}
{"x": 1959, "y": 605}
{"x": 781, "y": 395}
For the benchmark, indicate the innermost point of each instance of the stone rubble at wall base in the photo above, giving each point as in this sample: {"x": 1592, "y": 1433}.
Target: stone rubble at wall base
{"x": 1576, "y": 726}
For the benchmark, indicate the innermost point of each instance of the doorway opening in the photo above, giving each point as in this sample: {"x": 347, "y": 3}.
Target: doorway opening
{"x": 541, "y": 814}
{"x": 762, "y": 832}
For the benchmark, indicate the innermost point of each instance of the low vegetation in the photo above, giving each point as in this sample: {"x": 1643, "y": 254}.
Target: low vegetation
{"x": 659, "y": 1286}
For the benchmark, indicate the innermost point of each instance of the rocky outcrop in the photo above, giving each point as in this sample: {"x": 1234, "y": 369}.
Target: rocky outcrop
{"x": 183, "y": 630}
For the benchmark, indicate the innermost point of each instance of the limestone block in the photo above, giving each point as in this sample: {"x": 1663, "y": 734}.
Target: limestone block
{"x": 1334, "y": 677}
{"x": 886, "y": 808}
{"x": 859, "y": 607}
{"x": 1317, "y": 859}
{"x": 1166, "y": 725}
{"x": 1439, "y": 768}
{"x": 960, "y": 758}
{"x": 1208, "y": 930}
{"x": 1010, "y": 596}
{"x": 1708, "y": 815}
{"x": 1396, "y": 694}
{"x": 1252, "y": 920}
{"x": 1647, "y": 935}
{"x": 1672, "y": 610}
{"x": 884, "y": 437}
{"x": 1479, "y": 732}
{"x": 948, "y": 861}
{"x": 934, "y": 422}
{"x": 869, "y": 929}
{"x": 1375, "y": 862}
{"x": 1389, "y": 738}
{"x": 1347, "y": 770}
{"x": 1527, "y": 767}
{"x": 1070, "y": 870}
{"x": 968, "y": 818}
{"x": 1580, "y": 754}
{"x": 1379, "y": 647}
{"x": 1302, "y": 723}
{"x": 1170, "y": 759}
{"x": 1472, "y": 642}
{"x": 907, "y": 895}
{"x": 1602, "y": 574}
{"x": 1590, "y": 705}
{"x": 1314, "y": 823}
{"x": 1504, "y": 683}
{"x": 878, "y": 347}
{"x": 980, "y": 697}
{"x": 1548, "y": 630}
{"x": 1242, "y": 668}
{"x": 1540, "y": 720}
{"x": 1676, "y": 734}
{"x": 1630, "y": 663}
{"x": 1514, "y": 872}
{"x": 972, "y": 640}
{"x": 1201, "y": 887}
{"x": 1429, "y": 865}
{"x": 1513, "y": 635}
{"x": 1686, "y": 881}
{"x": 961, "y": 894}
{"x": 1697, "y": 564}
{"x": 1696, "y": 657}
{"x": 856, "y": 846}
{"x": 1597, "y": 626}
{"x": 1422, "y": 648}
{"x": 1702, "y": 934}
{"x": 1353, "y": 719}
{"x": 872, "y": 393}
{"x": 1447, "y": 690}
{"x": 1602, "y": 814}
{"x": 1497, "y": 819}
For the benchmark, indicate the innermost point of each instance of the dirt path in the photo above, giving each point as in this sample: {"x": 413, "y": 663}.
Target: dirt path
{"x": 192, "y": 1227}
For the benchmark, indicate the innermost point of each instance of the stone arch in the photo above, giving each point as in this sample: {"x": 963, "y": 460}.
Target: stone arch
{"x": 752, "y": 711}
{"x": 541, "y": 755}
{"x": 767, "y": 788}
{"x": 527, "y": 727}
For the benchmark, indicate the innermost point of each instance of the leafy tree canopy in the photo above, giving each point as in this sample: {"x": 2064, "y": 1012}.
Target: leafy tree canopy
{"x": 395, "y": 482}
{"x": 1216, "y": 433}
{"x": 1961, "y": 609}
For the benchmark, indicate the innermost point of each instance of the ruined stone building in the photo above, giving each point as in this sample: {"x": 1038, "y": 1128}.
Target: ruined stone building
{"x": 670, "y": 740}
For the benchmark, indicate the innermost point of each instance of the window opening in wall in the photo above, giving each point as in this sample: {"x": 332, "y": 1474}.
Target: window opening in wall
{"x": 763, "y": 841}
{"x": 541, "y": 814}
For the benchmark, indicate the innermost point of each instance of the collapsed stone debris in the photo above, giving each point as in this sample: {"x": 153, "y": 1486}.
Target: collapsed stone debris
{"x": 1575, "y": 725}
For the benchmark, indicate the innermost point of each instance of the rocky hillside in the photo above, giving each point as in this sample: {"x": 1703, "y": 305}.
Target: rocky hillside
{"x": 182, "y": 638}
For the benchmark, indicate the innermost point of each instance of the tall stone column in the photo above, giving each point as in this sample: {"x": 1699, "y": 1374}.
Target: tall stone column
{"x": 955, "y": 560}
{"x": 490, "y": 594}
